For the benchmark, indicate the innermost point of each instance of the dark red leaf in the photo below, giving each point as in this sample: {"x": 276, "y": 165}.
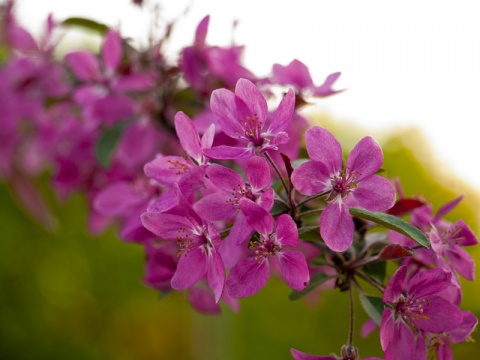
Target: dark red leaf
{"x": 395, "y": 251}
{"x": 404, "y": 206}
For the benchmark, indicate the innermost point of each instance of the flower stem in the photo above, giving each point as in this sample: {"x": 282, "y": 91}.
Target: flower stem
{"x": 371, "y": 281}
{"x": 313, "y": 197}
{"x": 310, "y": 212}
{"x": 352, "y": 315}
{"x": 270, "y": 160}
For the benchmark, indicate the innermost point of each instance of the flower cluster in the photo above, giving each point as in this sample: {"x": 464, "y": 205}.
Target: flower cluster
{"x": 192, "y": 165}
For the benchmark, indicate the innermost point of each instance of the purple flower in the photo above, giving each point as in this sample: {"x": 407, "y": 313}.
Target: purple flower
{"x": 416, "y": 303}
{"x": 198, "y": 244}
{"x": 352, "y": 186}
{"x": 252, "y": 273}
{"x": 243, "y": 115}
{"x": 296, "y": 73}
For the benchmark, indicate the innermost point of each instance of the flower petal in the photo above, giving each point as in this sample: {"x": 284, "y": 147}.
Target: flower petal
{"x": 216, "y": 207}
{"x": 224, "y": 178}
{"x": 374, "y": 193}
{"x": 191, "y": 267}
{"x": 438, "y": 315}
{"x": 394, "y": 287}
{"x": 294, "y": 268}
{"x": 248, "y": 277}
{"x": 257, "y": 217}
{"x": 286, "y": 232}
{"x": 167, "y": 226}
{"x": 461, "y": 261}
{"x": 112, "y": 50}
{"x": 298, "y": 355}
{"x": 84, "y": 65}
{"x": 258, "y": 173}
{"x": 283, "y": 114}
{"x": 188, "y": 135}
{"x": 296, "y": 73}
{"x": 224, "y": 152}
{"x": 365, "y": 159}
{"x": 336, "y": 226}
{"x": 322, "y": 146}
{"x": 222, "y": 104}
{"x": 253, "y": 99}
{"x": 216, "y": 274}
{"x": 429, "y": 282}
{"x": 311, "y": 177}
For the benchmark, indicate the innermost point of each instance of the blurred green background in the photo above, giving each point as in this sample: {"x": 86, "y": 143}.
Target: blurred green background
{"x": 65, "y": 294}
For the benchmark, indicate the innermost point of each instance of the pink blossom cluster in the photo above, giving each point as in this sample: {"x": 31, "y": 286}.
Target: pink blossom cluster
{"x": 223, "y": 192}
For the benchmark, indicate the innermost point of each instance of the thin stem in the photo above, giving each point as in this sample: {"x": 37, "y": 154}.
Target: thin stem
{"x": 310, "y": 212}
{"x": 225, "y": 230}
{"x": 352, "y": 316}
{"x": 270, "y": 160}
{"x": 313, "y": 197}
{"x": 371, "y": 281}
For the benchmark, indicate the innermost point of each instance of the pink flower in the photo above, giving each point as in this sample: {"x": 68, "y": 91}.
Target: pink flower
{"x": 242, "y": 115}
{"x": 252, "y": 273}
{"x": 416, "y": 303}
{"x": 356, "y": 185}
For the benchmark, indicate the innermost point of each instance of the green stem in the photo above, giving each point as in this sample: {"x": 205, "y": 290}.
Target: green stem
{"x": 313, "y": 197}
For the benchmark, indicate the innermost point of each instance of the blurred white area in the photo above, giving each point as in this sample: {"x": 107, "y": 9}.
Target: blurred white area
{"x": 404, "y": 62}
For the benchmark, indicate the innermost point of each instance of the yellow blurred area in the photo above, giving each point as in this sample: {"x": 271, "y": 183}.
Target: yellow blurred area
{"x": 66, "y": 294}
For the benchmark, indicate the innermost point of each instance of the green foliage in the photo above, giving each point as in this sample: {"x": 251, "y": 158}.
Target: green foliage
{"x": 86, "y": 24}
{"x": 109, "y": 141}
{"x": 373, "y": 307}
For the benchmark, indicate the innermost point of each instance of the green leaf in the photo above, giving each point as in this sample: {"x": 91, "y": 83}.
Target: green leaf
{"x": 310, "y": 233}
{"x": 108, "y": 142}
{"x": 377, "y": 271}
{"x": 373, "y": 307}
{"x": 86, "y": 24}
{"x": 316, "y": 280}
{"x": 393, "y": 223}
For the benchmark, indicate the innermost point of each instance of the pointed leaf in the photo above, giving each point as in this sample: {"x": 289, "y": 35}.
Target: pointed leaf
{"x": 109, "y": 141}
{"x": 373, "y": 307}
{"x": 393, "y": 223}
{"x": 376, "y": 270}
{"x": 86, "y": 24}
{"x": 404, "y": 206}
{"x": 395, "y": 251}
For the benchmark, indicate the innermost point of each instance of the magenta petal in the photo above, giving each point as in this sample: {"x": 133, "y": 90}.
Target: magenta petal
{"x": 286, "y": 232}
{"x": 322, "y": 146}
{"x": 112, "y": 50}
{"x": 188, "y": 135}
{"x": 311, "y": 177}
{"x": 394, "y": 287}
{"x": 224, "y": 152}
{"x": 208, "y": 136}
{"x": 298, "y": 355}
{"x": 84, "y": 65}
{"x": 133, "y": 82}
{"x": 461, "y": 261}
{"x": 241, "y": 231}
{"x": 216, "y": 207}
{"x": 403, "y": 344}
{"x": 267, "y": 199}
{"x": 466, "y": 236}
{"x": 201, "y": 32}
{"x": 258, "y": 173}
{"x": 167, "y": 226}
{"x": 248, "y": 277}
{"x": 283, "y": 114}
{"x": 429, "y": 282}
{"x": 463, "y": 331}
{"x": 203, "y": 301}
{"x": 167, "y": 170}
{"x": 438, "y": 315}
{"x": 257, "y": 217}
{"x": 336, "y": 226}
{"x": 326, "y": 88}
{"x": 225, "y": 178}
{"x": 445, "y": 209}
{"x": 296, "y": 73}
{"x": 374, "y": 194}
{"x": 116, "y": 198}
{"x": 294, "y": 268}
{"x": 365, "y": 159}
{"x": 191, "y": 267}
{"x": 216, "y": 274}
{"x": 222, "y": 104}
{"x": 387, "y": 327}
{"x": 253, "y": 99}
{"x": 113, "y": 108}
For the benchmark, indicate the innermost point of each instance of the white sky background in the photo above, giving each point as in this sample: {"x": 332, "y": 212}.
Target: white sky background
{"x": 404, "y": 62}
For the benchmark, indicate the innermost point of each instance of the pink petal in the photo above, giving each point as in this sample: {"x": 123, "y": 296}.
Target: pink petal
{"x": 112, "y": 51}
{"x": 267, "y": 199}
{"x": 224, "y": 152}
{"x": 201, "y": 32}
{"x": 283, "y": 114}
{"x": 84, "y": 65}
{"x": 374, "y": 194}
{"x": 215, "y": 207}
{"x": 298, "y": 355}
{"x": 208, "y": 136}
{"x": 394, "y": 287}
{"x": 133, "y": 82}
{"x": 336, "y": 226}
{"x": 222, "y": 104}
{"x": 296, "y": 73}
{"x": 311, "y": 177}
{"x": 387, "y": 327}
{"x": 294, "y": 268}
{"x": 429, "y": 282}
{"x": 253, "y": 99}
{"x": 113, "y": 108}
{"x": 241, "y": 231}
{"x": 167, "y": 170}
{"x": 167, "y": 226}
{"x": 257, "y": 217}
{"x": 402, "y": 344}
{"x": 445, "y": 209}
{"x": 225, "y": 178}
{"x": 191, "y": 267}
{"x": 326, "y": 88}
{"x": 188, "y": 135}
{"x": 438, "y": 315}
{"x": 216, "y": 274}
{"x": 248, "y": 277}
{"x": 466, "y": 236}
{"x": 258, "y": 173}
{"x": 286, "y": 232}
{"x": 463, "y": 331}
{"x": 365, "y": 159}
{"x": 203, "y": 301}
{"x": 322, "y": 146}
{"x": 461, "y": 261}
{"x": 116, "y": 198}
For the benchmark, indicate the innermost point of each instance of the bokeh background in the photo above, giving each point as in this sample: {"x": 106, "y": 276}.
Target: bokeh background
{"x": 65, "y": 294}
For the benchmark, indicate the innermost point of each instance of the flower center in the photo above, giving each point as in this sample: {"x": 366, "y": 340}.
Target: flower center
{"x": 343, "y": 183}
{"x": 239, "y": 193}
{"x": 264, "y": 247}
{"x": 252, "y": 129}
{"x": 413, "y": 309}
